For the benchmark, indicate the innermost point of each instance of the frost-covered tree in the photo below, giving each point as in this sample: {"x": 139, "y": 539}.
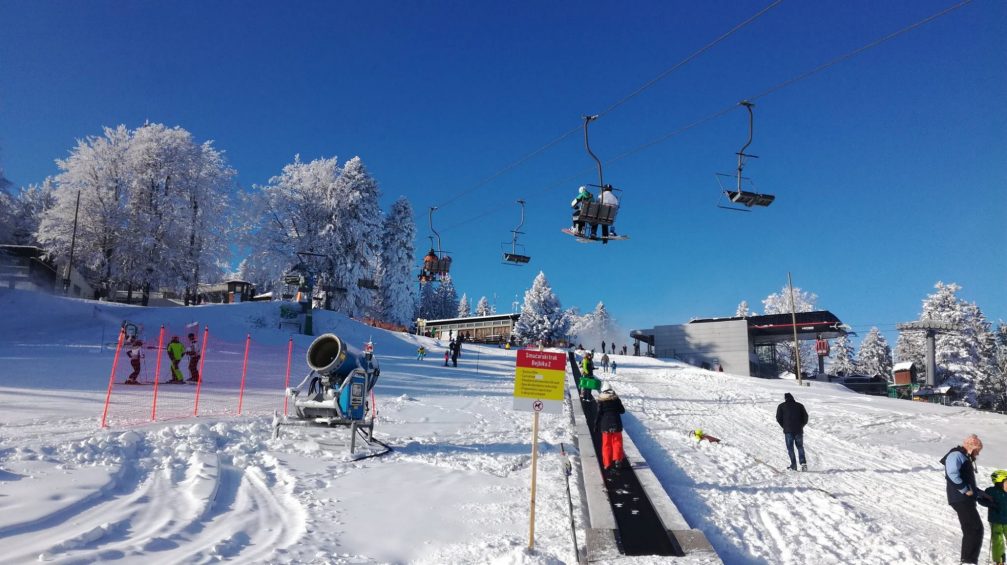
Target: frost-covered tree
{"x": 911, "y": 347}
{"x": 875, "y": 357}
{"x": 779, "y": 303}
{"x": 395, "y": 301}
{"x": 542, "y": 317}
{"x": 961, "y": 357}
{"x": 7, "y": 217}
{"x": 742, "y": 311}
{"x": 26, "y": 209}
{"x": 464, "y": 308}
{"x": 428, "y": 307}
{"x": 843, "y": 358}
{"x": 593, "y": 328}
{"x": 483, "y": 307}
{"x": 1000, "y": 364}
{"x": 446, "y": 298}
{"x": 352, "y": 238}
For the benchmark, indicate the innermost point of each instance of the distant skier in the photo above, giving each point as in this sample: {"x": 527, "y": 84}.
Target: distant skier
{"x": 194, "y": 356}
{"x": 997, "y": 514}
{"x": 588, "y": 382}
{"x": 604, "y": 362}
{"x": 447, "y": 356}
{"x": 963, "y": 494}
{"x": 135, "y": 353}
{"x": 614, "y": 366}
{"x": 421, "y": 353}
{"x": 792, "y": 417}
{"x": 700, "y": 435}
{"x": 608, "y": 421}
{"x": 176, "y": 351}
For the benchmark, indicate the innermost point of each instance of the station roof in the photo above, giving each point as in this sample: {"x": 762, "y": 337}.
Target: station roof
{"x": 773, "y": 328}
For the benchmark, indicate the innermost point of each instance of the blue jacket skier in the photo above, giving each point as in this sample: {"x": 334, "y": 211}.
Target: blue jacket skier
{"x": 960, "y": 482}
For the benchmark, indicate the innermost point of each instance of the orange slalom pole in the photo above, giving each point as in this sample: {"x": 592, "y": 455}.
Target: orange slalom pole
{"x": 244, "y": 371}
{"x": 202, "y": 360}
{"x": 286, "y": 381}
{"x": 111, "y": 378}
{"x": 157, "y": 374}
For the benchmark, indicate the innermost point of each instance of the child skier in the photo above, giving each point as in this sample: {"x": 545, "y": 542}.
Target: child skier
{"x": 135, "y": 353}
{"x": 614, "y": 366}
{"x": 608, "y": 421}
{"x": 997, "y": 514}
{"x": 421, "y": 353}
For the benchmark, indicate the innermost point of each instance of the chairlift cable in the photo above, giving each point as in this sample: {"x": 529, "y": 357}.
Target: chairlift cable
{"x": 664, "y": 74}
{"x": 719, "y": 113}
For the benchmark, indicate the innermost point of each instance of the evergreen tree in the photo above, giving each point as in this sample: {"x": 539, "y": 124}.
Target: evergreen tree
{"x": 875, "y": 357}
{"x": 446, "y": 298}
{"x": 396, "y": 302}
{"x": 593, "y": 328}
{"x": 26, "y": 209}
{"x": 843, "y": 358}
{"x": 1000, "y": 365}
{"x": 911, "y": 347}
{"x": 779, "y": 303}
{"x": 352, "y": 237}
{"x": 542, "y": 317}
{"x": 483, "y": 308}
{"x": 428, "y": 306}
{"x": 742, "y": 311}
{"x": 464, "y": 309}
{"x": 960, "y": 354}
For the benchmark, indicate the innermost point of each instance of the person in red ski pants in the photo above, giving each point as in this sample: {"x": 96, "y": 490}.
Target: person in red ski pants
{"x": 608, "y": 421}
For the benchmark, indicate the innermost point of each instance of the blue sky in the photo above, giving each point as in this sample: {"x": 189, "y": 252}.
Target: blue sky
{"x": 888, "y": 168}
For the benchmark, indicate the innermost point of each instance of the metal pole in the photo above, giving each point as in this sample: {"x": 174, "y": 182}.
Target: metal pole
{"x": 73, "y": 243}
{"x": 931, "y": 358}
{"x": 534, "y": 471}
{"x": 793, "y": 321}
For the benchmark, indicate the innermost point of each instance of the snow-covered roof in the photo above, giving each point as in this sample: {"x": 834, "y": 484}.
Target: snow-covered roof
{"x": 903, "y": 366}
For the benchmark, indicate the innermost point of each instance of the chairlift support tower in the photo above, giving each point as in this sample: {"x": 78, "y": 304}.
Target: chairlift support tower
{"x": 931, "y": 327}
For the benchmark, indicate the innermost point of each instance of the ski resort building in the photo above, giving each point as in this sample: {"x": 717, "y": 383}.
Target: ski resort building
{"x": 26, "y": 267}
{"x": 495, "y": 328}
{"x": 740, "y": 345}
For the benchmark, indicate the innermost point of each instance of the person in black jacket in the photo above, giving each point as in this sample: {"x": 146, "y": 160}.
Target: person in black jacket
{"x": 792, "y": 417}
{"x": 963, "y": 494}
{"x": 608, "y": 421}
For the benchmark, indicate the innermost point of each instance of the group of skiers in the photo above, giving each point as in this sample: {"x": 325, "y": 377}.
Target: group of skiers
{"x": 176, "y": 353}
{"x": 451, "y": 354}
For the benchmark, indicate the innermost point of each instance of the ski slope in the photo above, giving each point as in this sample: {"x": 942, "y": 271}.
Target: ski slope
{"x": 455, "y": 488}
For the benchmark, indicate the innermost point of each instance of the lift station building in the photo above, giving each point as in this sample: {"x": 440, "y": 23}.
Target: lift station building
{"x": 739, "y": 345}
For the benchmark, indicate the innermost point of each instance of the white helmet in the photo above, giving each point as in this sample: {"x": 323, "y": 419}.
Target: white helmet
{"x": 582, "y": 189}
{"x": 606, "y": 387}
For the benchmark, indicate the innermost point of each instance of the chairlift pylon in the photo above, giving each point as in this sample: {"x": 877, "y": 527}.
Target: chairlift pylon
{"x": 745, "y": 198}
{"x": 600, "y": 212}
{"x": 436, "y": 263}
{"x": 513, "y": 257}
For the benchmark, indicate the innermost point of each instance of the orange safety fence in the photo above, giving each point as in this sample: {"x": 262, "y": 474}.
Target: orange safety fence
{"x": 213, "y": 377}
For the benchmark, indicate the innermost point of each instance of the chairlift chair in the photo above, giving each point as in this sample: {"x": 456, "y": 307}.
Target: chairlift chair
{"x": 739, "y": 196}
{"x": 595, "y": 213}
{"x": 514, "y": 257}
{"x": 436, "y": 263}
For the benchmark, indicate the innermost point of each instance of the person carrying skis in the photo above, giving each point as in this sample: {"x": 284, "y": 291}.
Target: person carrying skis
{"x": 135, "y": 353}
{"x": 608, "y": 421}
{"x": 963, "y": 495}
{"x": 194, "y": 356}
{"x": 997, "y": 514}
{"x": 792, "y": 417}
{"x": 176, "y": 351}
{"x": 588, "y": 382}
{"x": 579, "y": 206}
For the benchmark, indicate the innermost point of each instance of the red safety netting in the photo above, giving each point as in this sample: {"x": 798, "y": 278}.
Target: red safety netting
{"x": 200, "y": 377}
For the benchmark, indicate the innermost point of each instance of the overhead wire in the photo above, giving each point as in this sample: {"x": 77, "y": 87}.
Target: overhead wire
{"x": 664, "y": 74}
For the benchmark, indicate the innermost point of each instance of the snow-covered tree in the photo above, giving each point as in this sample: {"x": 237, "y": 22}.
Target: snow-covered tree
{"x": 483, "y": 308}
{"x": 26, "y": 208}
{"x": 464, "y": 308}
{"x": 1000, "y": 364}
{"x": 961, "y": 357}
{"x": 427, "y": 307}
{"x": 843, "y": 358}
{"x": 742, "y": 311}
{"x": 396, "y": 302}
{"x": 446, "y": 298}
{"x": 352, "y": 237}
{"x": 593, "y": 328}
{"x": 875, "y": 357}
{"x": 779, "y": 303}
{"x": 542, "y": 317}
{"x": 911, "y": 347}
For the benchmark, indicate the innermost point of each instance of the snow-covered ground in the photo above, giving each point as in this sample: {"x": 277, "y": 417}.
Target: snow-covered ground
{"x": 455, "y": 488}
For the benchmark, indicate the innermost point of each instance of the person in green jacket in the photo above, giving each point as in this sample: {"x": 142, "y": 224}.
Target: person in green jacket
{"x": 579, "y": 205}
{"x": 997, "y": 514}
{"x": 176, "y": 351}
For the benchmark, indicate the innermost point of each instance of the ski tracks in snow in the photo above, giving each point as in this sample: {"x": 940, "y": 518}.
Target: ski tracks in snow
{"x": 192, "y": 494}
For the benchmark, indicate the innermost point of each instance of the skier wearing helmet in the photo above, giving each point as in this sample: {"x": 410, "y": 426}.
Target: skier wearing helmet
{"x": 608, "y": 421}
{"x": 193, "y": 352}
{"x": 997, "y": 514}
{"x": 135, "y": 353}
{"x": 176, "y": 351}
{"x": 579, "y": 205}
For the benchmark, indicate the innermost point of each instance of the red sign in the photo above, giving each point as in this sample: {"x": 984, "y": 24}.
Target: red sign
{"x": 822, "y": 348}
{"x": 547, "y": 360}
